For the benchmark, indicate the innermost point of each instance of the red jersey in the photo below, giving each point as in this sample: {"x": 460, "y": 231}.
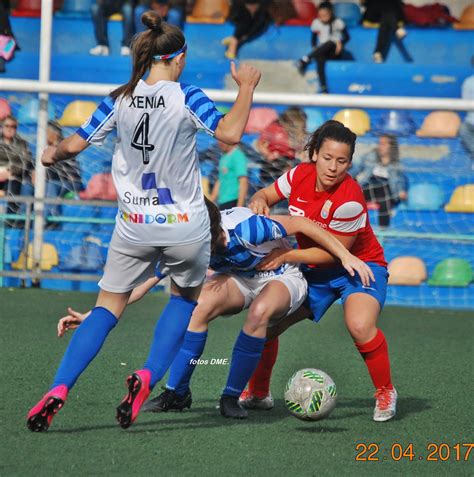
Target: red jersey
{"x": 340, "y": 210}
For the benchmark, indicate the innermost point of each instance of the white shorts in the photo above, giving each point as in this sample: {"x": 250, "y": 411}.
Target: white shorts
{"x": 292, "y": 278}
{"x": 129, "y": 265}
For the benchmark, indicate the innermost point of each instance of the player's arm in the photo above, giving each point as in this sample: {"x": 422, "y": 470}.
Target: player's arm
{"x": 336, "y": 248}
{"x": 141, "y": 290}
{"x": 93, "y": 131}
{"x": 232, "y": 125}
{"x": 67, "y": 148}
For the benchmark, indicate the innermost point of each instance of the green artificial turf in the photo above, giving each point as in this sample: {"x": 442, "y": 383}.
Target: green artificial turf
{"x": 432, "y": 363}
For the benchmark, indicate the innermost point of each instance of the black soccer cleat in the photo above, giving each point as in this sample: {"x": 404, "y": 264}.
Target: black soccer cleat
{"x": 230, "y": 407}
{"x": 169, "y": 400}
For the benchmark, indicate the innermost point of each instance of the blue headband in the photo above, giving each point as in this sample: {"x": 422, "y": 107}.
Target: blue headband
{"x": 171, "y": 55}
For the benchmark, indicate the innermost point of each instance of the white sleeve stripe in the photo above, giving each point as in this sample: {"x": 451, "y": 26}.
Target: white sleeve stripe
{"x": 99, "y": 127}
{"x": 349, "y": 226}
{"x": 283, "y": 185}
{"x": 204, "y": 126}
{"x": 348, "y": 219}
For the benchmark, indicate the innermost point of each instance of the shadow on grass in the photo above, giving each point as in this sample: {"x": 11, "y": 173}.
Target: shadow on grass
{"x": 317, "y": 429}
{"x": 206, "y": 416}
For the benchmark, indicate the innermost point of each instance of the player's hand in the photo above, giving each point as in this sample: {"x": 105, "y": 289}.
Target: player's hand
{"x": 338, "y": 48}
{"x": 353, "y": 264}
{"x": 47, "y": 159}
{"x": 275, "y": 259}
{"x": 259, "y": 206}
{"x": 70, "y": 322}
{"x": 245, "y": 75}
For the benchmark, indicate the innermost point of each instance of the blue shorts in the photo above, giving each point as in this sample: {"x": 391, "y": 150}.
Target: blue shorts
{"x": 325, "y": 286}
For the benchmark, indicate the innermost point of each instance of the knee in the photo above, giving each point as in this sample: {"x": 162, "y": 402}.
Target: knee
{"x": 360, "y": 330}
{"x": 203, "y": 313}
{"x": 258, "y": 316}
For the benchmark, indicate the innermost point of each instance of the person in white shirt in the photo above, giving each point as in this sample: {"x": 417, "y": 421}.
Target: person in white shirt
{"x": 162, "y": 216}
{"x": 331, "y": 34}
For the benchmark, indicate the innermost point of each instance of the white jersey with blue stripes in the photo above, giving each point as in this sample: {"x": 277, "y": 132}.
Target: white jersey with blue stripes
{"x": 155, "y": 163}
{"x": 250, "y": 238}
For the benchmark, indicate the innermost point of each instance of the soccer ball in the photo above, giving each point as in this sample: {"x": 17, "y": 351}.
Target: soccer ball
{"x": 310, "y": 394}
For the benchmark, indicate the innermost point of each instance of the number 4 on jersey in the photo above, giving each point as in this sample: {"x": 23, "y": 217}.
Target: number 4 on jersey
{"x": 140, "y": 138}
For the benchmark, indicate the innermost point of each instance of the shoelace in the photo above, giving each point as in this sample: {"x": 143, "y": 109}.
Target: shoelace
{"x": 384, "y": 398}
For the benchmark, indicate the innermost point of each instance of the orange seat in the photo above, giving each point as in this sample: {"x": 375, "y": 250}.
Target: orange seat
{"x": 406, "y": 271}
{"x": 209, "y": 11}
{"x": 259, "y": 119}
{"x": 440, "y": 124}
{"x": 466, "y": 22}
{"x": 77, "y": 112}
{"x": 49, "y": 258}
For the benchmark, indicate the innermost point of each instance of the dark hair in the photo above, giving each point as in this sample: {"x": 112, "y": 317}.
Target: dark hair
{"x": 394, "y": 149}
{"x": 161, "y": 38}
{"x": 326, "y": 6}
{"x": 215, "y": 218}
{"x": 333, "y": 130}
{"x": 56, "y": 127}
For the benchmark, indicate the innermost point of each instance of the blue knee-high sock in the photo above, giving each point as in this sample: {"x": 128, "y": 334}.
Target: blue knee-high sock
{"x": 84, "y": 346}
{"x": 183, "y": 367}
{"x": 245, "y": 357}
{"x": 168, "y": 337}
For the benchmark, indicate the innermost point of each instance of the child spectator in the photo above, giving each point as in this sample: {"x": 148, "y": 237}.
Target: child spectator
{"x": 331, "y": 34}
{"x": 101, "y": 11}
{"x": 230, "y": 189}
{"x": 381, "y": 177}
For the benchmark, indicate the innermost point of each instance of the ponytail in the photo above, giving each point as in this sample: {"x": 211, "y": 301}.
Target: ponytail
{"x": 161, "y": 38}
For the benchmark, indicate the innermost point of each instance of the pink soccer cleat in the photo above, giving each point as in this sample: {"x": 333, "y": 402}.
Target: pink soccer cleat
{"x": 41, "y": 415}
{"x": 138, "y": 391}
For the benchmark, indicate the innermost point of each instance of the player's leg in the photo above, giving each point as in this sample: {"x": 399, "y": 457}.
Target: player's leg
{"x": 275, "y": 299}
{"x": 88, "y": 339}
{"x": 257, "y": 395}
{"x": 361, "y": 310}
{"x": 220, "y": 296}
{"x": 186, "y": 266}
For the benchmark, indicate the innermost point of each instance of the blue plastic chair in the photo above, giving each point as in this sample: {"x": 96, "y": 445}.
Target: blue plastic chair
{"x": 348, "y": 12}
{"x": 314, "y": 118}
{"x": 28, "y": 112}
{"x": 76, "y": 8}
{"x": 399, "y": 123}
{"x": 425, "y": 196}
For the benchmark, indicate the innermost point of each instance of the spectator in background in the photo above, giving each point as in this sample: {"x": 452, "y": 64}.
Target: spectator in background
{"x": 381, "y": 177}
{"x": 7, "y": 34}
{"x": 388, "y": 13}
{"x": 230, "y": 189}
{"x": 172, "y": 11}
{"x": 467, "y": 127}
{"x": 293, "y": 120}
{"x": 15, "y": 162}
{"x": 101, "y": 11}
{"x": 331, "y": 34}
{"x": 251, "y": 18}
{"x": 63, "y": 178}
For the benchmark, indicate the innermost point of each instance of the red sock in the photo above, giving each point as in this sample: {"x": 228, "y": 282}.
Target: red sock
{"x": 375, "y": 355}
{"x": 259, "y": 384}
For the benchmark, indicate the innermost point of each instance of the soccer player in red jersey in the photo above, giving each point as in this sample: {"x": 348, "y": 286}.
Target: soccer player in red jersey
{"x": 323, "y": 191}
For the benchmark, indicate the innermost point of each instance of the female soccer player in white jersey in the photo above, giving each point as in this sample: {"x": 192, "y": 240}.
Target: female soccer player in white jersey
{"x": 323, "y": 191}
{"x": 162, "y": 215}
